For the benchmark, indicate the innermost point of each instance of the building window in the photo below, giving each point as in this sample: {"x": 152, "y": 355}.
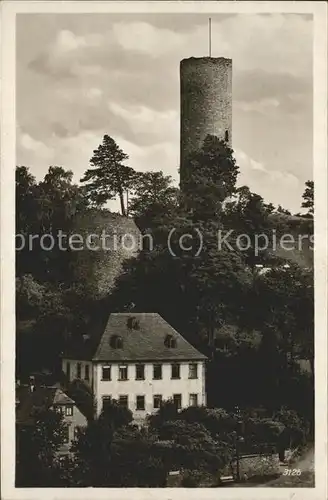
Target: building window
{"x": 105, "y": 373}
{"x": 140, "y": 402}
{"x": 123, "y": 401}
{"x": 116, "y": 342}
{"x": 177, "y": 400}
{"x": 157, "y": 401}
{"x": 193, "y": 399}
{"x": 76, "y": 432}
{"x": 86, "y": 372}
{"x": 69, "y": 411}
{"x": 78, "y": 370}
{"x": 170, "y": 341}
{"x": 193, "y": 370}
{"x": 157, "y": 372}
{"x": 123, "y": 372}
{"x": 226, "y": 136}
{"x": 106, "y": 401}
{"x": 58, "y": 409}
{"x": 68, "y": 370}
{"x": 175, "y": 371}
{"x": 140, "y": 372}
{"x": 133, "y": 323}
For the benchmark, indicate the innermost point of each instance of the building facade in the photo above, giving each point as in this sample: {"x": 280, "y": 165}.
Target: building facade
{"x": 141, "y": 361}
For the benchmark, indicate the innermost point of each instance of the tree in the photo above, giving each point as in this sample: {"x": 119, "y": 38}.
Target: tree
{"x": 153, "y": 196}
{"x": 189, "y": 445}
{"x": 26, "y": 208}
{"x": 109, "y": 176}
{"x": 37, "y": 445}
{"x": 168, "y": 411}
{"x": 29, "y": 296}
{"x": 59, "y": 199}
{"x": 286, "y": 299}
{"x": 135, "y": 459}
{"x": 82, "y": 395}
{"x": 294, "y": 432}
{"x": 94, "y": 444}
{"x": 210, "y": 178}
{"x": 262, "y": 432}
{"x": 249, "y": 216}
{"x": 116, "y": 415}
{"x": 25, "y": 199}
{"x": 308, "y": 197}
{"x": 109, "y": 453}
{"x": 282, "y": 210}
{"x": 92, "y": 454}
{"x": 44, "y": 212}
{"x": 217, "y": 421}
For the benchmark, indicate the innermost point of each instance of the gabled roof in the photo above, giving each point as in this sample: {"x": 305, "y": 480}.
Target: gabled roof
{"x": 145, "y": 343}
{"x": 41, "y": 398}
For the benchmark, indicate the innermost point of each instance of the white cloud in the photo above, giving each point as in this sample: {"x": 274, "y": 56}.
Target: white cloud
{"x": 275, "y": 43}
{"x": 33, "y": 146}
{"x": 93, "y": 93}
{"x": 260, "y": 106}
{"x": 143, "y": 37}
{"x": 273, "y": 185}
{"x": 142, "y": 119}
{"x": 67, "y": 41}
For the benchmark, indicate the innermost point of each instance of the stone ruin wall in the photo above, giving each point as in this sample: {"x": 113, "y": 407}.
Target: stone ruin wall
{"x": 100, "y": 268}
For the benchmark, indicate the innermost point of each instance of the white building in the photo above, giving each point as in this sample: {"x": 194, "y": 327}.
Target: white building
{"x": 140, "y": 360}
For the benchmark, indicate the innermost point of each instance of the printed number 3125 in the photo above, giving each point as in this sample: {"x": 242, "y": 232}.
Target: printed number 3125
{"x": 292, "y": 472}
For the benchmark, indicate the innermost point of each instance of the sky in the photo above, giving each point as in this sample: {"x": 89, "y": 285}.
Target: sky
{"x": 81, "y": 76}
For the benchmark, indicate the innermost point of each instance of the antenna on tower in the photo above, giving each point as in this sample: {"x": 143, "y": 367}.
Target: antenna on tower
{"x": 210, "y": 36}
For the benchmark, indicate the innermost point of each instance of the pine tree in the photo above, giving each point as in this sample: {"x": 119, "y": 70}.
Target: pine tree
{"x": 109, "y": 176}
{"x": 308, "y": 197}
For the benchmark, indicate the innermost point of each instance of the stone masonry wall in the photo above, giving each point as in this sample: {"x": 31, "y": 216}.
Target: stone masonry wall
{"x": 100, "y": 268}
{"x": 257, "y": 465}
{"x": 206, "y": 101}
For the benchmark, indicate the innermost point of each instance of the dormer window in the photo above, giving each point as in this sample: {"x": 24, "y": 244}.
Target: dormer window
{"x": 116, "y": 342}
{"x": 133, "y": 323}
{"x": 170, "y": 342}
{"x": 69, "y": 411}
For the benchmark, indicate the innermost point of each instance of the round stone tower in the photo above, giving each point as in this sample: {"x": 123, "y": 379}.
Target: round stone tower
{"x": 206, "y": 102}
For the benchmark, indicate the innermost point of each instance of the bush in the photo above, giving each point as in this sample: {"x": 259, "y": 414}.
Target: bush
{"x": 167, "y": 412}
{"x": 191, "y": 446}
{"x": 192, "y": 479}
{"x": 116, "y": 415}
{"x": 134, "y": 459}
{"x": 217, "y": 421}
{"x": 296, "y": 428}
